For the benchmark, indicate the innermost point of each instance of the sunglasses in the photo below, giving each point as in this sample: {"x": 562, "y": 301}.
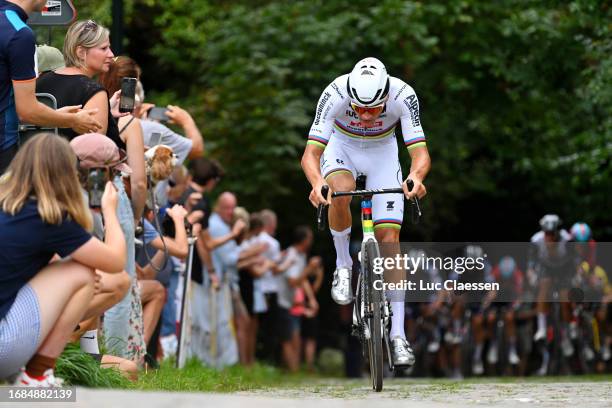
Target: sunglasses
{"x": 90, "y": 25}
{"x": 372, "y": 110}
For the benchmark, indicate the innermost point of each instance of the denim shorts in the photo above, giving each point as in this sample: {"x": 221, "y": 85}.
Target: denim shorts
{"x": 19, "y": 332}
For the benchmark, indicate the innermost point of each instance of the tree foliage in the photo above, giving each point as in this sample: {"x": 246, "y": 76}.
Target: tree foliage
{"x": 516, "y": 97}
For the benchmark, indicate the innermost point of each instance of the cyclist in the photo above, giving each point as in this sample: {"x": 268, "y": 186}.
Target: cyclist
{"x": 586, "y": 247}
{"x": 503, "y": 304}
{"x": 353, "y": 133}
{"x": 553, "y": 259}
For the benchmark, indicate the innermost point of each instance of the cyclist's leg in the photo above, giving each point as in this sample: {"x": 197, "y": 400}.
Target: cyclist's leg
{"x": 387, "y": 213}
{"x": 339, "y": 172}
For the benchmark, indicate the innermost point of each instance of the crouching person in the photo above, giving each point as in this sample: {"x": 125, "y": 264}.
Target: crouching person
{"x": 42, "y": 213}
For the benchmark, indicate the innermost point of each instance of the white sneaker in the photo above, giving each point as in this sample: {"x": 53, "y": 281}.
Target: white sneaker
{"x": 567, "y": 347}
{"x": 169, "y": 345}
{"x": 492, "y": 355}
{"x": 539, "y": 335}
{"x": 402, "y": 352}
{"x": 341, "y": 290}
{"x": 433, "y": 346}
{"x": 542, "y": 371}
{"x": 573, "y": 330}
{"x": 589, "y": 354}
{"x": 605, "y": 352}
{"x": 453, "y": 338}
{"x": 513, "y": 357}
{"x": 47, "y": 380}
{"x": 477, "y": 367}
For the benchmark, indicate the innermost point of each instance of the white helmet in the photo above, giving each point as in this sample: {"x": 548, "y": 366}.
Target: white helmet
{"x": 550, "y": 223}
{"x": 368, "y": 83}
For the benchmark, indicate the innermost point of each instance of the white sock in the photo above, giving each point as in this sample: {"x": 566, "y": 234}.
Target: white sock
{"x": 89, "y": 342}
{"x": 541, "y": 321}
{"x": 397, "y": 320}
{"x": 341, "y": 243}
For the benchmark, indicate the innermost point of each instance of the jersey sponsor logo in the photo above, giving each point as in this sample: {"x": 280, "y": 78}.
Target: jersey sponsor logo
{"x": 321, "y": 106}
{"x": 339, "y": 161}
{"x": 390, "y": 205}
{"x": 358, "y": 126}
{"x": 337, "y": 89}
{"x": 400, "y": 92}
{"x": 413, "y": 105}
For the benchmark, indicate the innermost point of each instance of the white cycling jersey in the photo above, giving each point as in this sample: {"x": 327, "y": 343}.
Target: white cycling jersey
{"x": 335, "y": 118}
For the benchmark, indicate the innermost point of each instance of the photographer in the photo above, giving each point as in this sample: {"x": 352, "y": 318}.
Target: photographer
{"x": 42, "y": 213}
{"x": 152, "y": 259}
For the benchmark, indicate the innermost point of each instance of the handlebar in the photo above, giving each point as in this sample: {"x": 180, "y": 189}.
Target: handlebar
{"x": 322, "y": 213}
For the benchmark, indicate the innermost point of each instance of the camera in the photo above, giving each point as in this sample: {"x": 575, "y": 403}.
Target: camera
{"x": 168, "y": 227}
{"x": 96, "y": 182}
{"x": 128, "y": 95}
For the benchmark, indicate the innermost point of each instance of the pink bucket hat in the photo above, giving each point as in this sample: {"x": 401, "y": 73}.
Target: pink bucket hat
{"x": 96, "y": 150}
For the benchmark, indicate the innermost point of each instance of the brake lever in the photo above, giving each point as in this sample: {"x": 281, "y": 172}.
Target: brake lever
{"x": 322, "y": 210}
{"x": 415, "y": 200}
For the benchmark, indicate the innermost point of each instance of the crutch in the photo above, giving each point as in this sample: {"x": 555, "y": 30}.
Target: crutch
{"x": 185, "y": 321}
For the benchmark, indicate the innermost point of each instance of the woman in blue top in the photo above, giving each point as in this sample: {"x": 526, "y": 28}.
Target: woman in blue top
{"x": 42, "y": 213}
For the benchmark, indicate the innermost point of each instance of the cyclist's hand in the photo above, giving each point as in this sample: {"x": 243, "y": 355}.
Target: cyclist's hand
{"x": 418, "y": 189}
{"x": 315, "y": 195}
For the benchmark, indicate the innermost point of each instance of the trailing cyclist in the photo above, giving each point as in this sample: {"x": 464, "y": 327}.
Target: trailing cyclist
{"x": 555, "y": 263}
{"x": 352, "y": 134}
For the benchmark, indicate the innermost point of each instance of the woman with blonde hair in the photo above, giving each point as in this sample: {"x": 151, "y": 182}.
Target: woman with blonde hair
{"x": 43, "y": 213}
{"x": 87, "y": 53}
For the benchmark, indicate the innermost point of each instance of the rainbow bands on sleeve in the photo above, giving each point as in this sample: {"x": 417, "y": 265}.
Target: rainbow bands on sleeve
{"x": 317, "y": 141}
{"x": 413, "y": 143}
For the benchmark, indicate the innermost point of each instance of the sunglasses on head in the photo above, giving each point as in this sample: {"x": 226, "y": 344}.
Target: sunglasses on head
{"x": 373, "y": 110}
{"x": 90, "y": 25}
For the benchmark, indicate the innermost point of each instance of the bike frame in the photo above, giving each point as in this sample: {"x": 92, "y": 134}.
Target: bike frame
{"x": 367, "y": 303}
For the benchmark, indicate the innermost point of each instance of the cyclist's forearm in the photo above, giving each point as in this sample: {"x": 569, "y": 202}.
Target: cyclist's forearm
{"x": 311, "y": 164}
{"x": 421, "y": 163}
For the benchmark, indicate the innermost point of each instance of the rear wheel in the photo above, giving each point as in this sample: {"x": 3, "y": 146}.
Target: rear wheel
{"x": 374, "y": 300}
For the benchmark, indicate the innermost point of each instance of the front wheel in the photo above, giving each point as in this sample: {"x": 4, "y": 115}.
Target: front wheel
{"x": 374, "y": 301}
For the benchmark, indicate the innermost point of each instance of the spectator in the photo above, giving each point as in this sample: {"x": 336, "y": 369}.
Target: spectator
{"x": 205, "y": 175}
{"x": 130, "y": 132}
{"x": 310, "y": 324}
{"x": 17, "y": 83}
{"x": 42, "y": 212}
{"x": 94, "y": 151}
{"x": 251, "y": 265}
{"x": 190, "y": 146}
{"x": 266, "y": 286}
{"x": 87, "y": 53}
{"x": 48, "y": 59}
{"x": 288, "y": 282}
{"x": 219, "y": 350}
{"x": 152, "y": 291}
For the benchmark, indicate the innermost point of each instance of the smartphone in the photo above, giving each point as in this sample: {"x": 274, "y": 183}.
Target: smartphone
{"x": 96, "y": 182}
{"x": 155, "y": 139}
{"x": 128, "y": 95}
{"x": 158, "y": 114}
